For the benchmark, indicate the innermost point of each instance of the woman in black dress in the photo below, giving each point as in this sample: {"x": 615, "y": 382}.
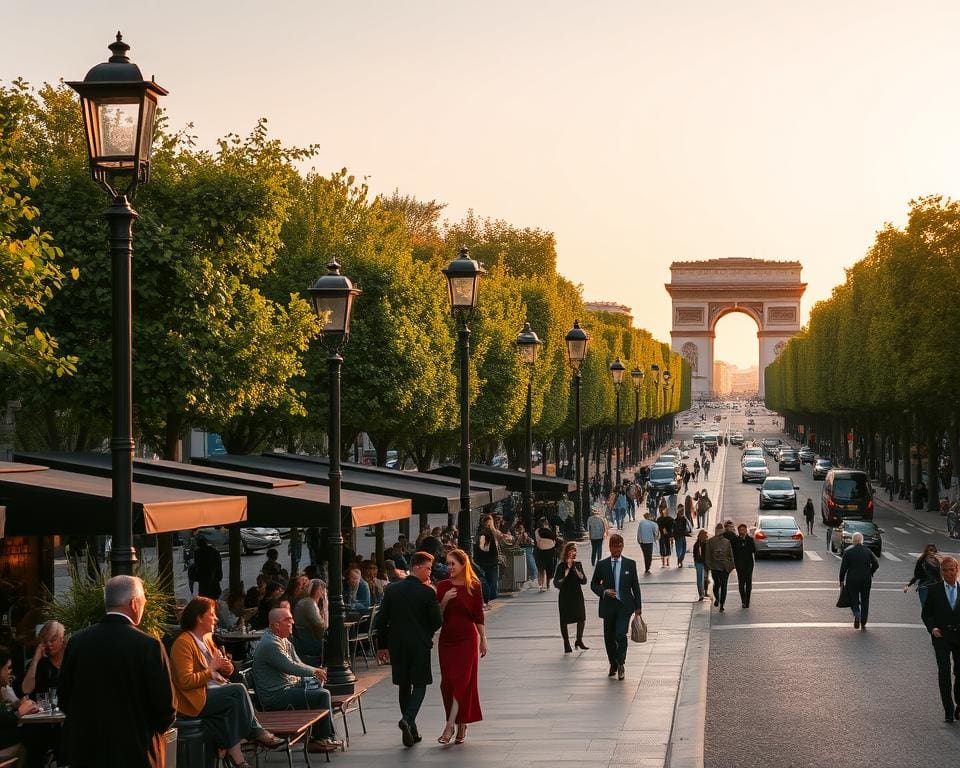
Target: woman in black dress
{"x": 665, "y": 524}
{"x": 569, "y": 579}
{"x": 545, "y": 541}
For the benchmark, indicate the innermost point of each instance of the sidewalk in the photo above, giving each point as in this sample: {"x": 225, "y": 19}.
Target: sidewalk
{"x": 922, "y": 517}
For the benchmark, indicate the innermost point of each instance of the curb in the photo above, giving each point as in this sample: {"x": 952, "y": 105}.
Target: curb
{"x": 938, "y": 523}
{"x": 685, "y": 748}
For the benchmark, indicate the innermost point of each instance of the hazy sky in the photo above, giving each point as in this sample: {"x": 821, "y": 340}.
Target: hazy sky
{"x": 639, "y": 132}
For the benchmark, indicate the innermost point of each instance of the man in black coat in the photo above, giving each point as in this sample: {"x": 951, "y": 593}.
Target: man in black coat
{"x": 615, "y": 583}
{"x": 408, "y": 617}
{"x": 941, "y": 615}
{"x": 743, "y": 559}
{"x": 115, "y": 687}
{"x": 208, "y": 569}
{"x": 856, "y": 576}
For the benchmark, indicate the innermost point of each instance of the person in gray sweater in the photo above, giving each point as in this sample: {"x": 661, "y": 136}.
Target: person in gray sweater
{"x": 283, "y": 681}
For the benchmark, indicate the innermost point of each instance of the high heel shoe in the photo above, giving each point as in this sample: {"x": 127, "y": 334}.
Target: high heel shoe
{"x": 461, "y": 734}
{"x": 579, "y": 644}
{"x": 447, "y": 734}
{"x": 566, "y": 647}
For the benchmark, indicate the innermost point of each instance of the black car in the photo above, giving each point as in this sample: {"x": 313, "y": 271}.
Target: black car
{"x": 841, "y": 537}
{"x": 778, "y": 492}
{"x": 789, "y": 459}
{"x": 663, "y": 478}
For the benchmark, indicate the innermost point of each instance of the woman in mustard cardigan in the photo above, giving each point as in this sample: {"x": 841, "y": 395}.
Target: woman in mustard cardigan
{"x": 200, "y": 678}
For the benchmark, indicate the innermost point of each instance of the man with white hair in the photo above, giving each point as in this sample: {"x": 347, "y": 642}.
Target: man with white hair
{"x": 115, "y": 686}
{"x": 856, "y": 576}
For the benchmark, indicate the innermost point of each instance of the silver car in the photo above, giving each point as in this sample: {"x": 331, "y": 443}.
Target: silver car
{"x": 252, "y": 539}
{"x": 754, "y": 470}
{"x": 777, "y": 534}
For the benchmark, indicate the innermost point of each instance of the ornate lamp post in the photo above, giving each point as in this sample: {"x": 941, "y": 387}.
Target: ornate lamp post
{"x": 528, "y": 345}
{"x": 577, "y": 341}
{"x": 667, "y": 386}
{"x": 637, "y": 376}
{"x": 119, "y": 108}
{"x": 332, "y": 297}
{"x": 463, "y": 279}
{"x": 655, "y": 369}
{"x": 617, "y": 369}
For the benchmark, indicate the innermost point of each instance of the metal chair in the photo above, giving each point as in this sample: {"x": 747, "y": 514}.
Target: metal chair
{"x": 365, "y": 633}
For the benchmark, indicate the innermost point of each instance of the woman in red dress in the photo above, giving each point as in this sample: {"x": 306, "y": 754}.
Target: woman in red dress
{"x": 462, "y": 642}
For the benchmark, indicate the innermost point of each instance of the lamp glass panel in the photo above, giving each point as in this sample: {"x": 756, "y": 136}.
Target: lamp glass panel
{"x": 336, "y": 306}
{"x": 528, "y": 353}
{"x": 577, "y": 351}
{"x": 146, "y": 129}
{"x": 463, "y": 292}
{"x": 118, "y": 121}
{"x": 617, "y": 375}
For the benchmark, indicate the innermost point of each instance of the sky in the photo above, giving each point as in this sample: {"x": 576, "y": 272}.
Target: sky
{"x": 639, "y": 132}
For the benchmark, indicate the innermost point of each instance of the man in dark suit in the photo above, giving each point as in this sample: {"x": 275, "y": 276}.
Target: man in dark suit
{"x": 856, "y": 577}
{"x": 208, "y": 568}
{"x": 615, "y": 583}
{"x": 115, "y": 687}
{"x": 941, "y": 615}
{"x": 409, "y": 616}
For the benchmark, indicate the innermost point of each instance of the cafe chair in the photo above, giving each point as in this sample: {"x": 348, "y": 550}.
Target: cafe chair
{"x": 364, "y": 638}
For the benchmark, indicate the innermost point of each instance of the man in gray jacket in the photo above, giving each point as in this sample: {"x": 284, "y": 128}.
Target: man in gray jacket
{"x": 597, "y": 529}
{"x": 282, "y": 681}
{"x": 647, "y": 533}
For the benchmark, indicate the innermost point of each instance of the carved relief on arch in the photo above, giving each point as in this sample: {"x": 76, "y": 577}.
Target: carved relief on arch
{"x": 692, "y": 353}
{"x": 779, "y": 348}
{"x": 752, "y": 308}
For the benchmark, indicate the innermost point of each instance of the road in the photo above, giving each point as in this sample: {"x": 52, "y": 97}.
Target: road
{"x": 791, "y": 683}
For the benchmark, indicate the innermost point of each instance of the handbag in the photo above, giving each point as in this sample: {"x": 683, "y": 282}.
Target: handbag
{"x": 638, "y": 629}
{"x": 843, "y": 600}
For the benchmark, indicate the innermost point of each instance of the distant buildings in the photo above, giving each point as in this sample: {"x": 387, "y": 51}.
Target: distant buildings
{"x": 721, "y": 378}
{"x": 730, "y": 380}
{"x": 612, "y": 307}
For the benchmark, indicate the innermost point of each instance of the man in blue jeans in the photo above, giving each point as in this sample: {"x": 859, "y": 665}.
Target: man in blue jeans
{"x": 597, "y": 530}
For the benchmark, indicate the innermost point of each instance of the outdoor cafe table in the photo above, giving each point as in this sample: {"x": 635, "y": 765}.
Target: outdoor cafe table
{"x": 236, "y": 636}
{"x": 43, "y": 718}
{"x": 293, "y": 725}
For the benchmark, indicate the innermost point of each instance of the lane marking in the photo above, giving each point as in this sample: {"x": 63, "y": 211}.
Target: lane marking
{"x": 902, "y": 530}
{"x": 824, "y": 589}
{"x": 795, "y": 582}
{"x": 812, "y": 555}
{"x": 888, "y": 556}
{"x": 924, "y": 530}
{"x": 814, "y": 625}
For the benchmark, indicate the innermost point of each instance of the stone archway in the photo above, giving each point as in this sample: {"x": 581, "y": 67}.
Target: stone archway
{"x": 702, "y": 292}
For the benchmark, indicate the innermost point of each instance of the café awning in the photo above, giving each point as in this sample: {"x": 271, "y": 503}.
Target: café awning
{"x": 546, "y": 485}
{"x": 272, "y": 501}
{"x": 42, "y": 501}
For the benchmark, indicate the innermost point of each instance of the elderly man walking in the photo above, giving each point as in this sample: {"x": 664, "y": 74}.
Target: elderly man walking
{"x": 856, "y": 577}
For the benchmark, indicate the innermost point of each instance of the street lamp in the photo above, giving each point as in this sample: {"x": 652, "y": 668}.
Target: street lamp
{"x": 655, "y": 369}
{"x": 617, "y": 369}
{"x": 528, "y": 345}
{"x": 332, "y": 297}
{"x": 637, "y": 375}
{"x": 119, "y": 108}
{"x": 667, "y": 388}
{"x": 463, "y": 279}
{"x": 577, "y": 341}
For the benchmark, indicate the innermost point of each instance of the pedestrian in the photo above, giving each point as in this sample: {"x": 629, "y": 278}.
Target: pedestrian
{"x": 706, "y": 469}
{"x": 665, "y": 524}
{"x": 696, "y": 470}
{"x": 405, "y": 624}
{"x": 926, "y": 572}
{"x": 569, "y": 580}
{"x": 486, "y": 557}
{"x": 744, "y": 552}
{"x": 619, "y": 507}
{"x": 698, "y": 553}
{"x": 631, "y": 501}
{"x": 462, "y": 643}
{"x": 208, "y": 568}
{"x": 681, "y": 529}
{"x": 647, "y": 534}
{"x": 615, "y": 583}
{"x": 942, "y": 619}
{"x": 545, "y": 541}
{"x": 115, "y": 687}
{"x": 729, "y": 531}
{"x": 808, "y": 515}
{"x": 690, "y": 510}
{"x": 686, "y": 477}
{"x": 856, "y": 576}
{"x": 953, "y": 529}
{"x": 703, "y": 508}
{"x": 718, "y": 558}
{"x": 597, "y": 530}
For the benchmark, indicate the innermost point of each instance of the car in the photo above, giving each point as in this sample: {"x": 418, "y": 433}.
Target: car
{"x": 736, "y": 438}
{"x": 697, "y": 438}
{"x": 710, "y": 440}
{"x": 789, "y": 459}
{"x": 777, "y": 534}
{"x": 751, "y": 453}
{"x": 841, "y": 537}
{"x": 821, "y": 468}
{"x": 251, "y": 539}
{"x": 846, "y": 493}
{"x": 663, "y": 479}
{"x": 779, "y": 492}
{"x": 754, "y": 470}
{"x": 770, "y": 445}
{"x": 807, "y": 455}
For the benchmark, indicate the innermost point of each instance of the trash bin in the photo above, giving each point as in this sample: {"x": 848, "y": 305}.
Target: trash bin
{"x": 191, "y": 745}
{"x": 170, "y": 748}
{"x": 514, "y": 573}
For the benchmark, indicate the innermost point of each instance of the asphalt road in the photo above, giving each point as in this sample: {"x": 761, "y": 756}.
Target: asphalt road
{"x": 791, "y": 683}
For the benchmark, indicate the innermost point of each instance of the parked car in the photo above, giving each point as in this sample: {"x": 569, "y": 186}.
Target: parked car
{"x": 736, "y": 438}
{"x": 846, "y": 493}
{"x": 807, "y": 455}
{"x": 777, "y": 534}
{"x": 821, "y": 468}
{"x": 788, "y": 459}
{"x": 251, "y": 539}
{"x": 663, "y": 479}
{"x": 754, "y": 470}
{"x": 841, "y": 537}
{"x": 778, "y": 492}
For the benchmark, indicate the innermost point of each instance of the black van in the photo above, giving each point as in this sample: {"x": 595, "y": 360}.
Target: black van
{"x": 847, "y": 493}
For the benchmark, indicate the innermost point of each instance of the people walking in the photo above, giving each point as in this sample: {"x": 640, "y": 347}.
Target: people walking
{"x": 405, "y": 624}
{"x": 718, "y": 558}
{"x": 690, "y": 510}
{"x": 681, "y": 529}
{"x": 545, "y": 541}
{"x": 647, "y": 534}
{"x": 569, "y": 580}
{"x": 665, "y": 523}
{"x": 706, "y": 468}
{"x": 615, "y": 583}
{"x": 941, "y": 616}
{"x": 597, "y": 531}
{"x": 619, "y": 507}
{"x": 856, "y": 576}
{"x": 703, "y": 508}
{"x": 112, "y": 667}
{"x": 462, "y": 643}
{"x": 698, "y": 563}
{"x": 926, "y": 572}
{"x": 744, "y": 552}
{"x": 696, "y": 470}
{"x": 808, "y": 515}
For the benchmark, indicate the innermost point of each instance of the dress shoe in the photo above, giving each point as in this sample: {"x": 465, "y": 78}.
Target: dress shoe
{"x": 417, "y": 738}
{"x": 856, "y": 623}
{"x": 579, "y": 644}
{"x": 620, "y": 672}
{"x": 613, "y": 670}
{"x": 721, "y": 609}
{"x": 716, "y": 603}
{"x": 406, "y": 733}
{"x": 863, "y": 626}
{"x": 567, "y": 648}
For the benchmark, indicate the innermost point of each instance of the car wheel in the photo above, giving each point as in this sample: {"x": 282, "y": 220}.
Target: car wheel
{"x": 799, "y": 555}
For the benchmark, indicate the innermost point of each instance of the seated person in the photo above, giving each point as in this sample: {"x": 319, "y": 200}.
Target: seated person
{"x": 271, "y": 599}
{"x": 296, "y": 589}
{"x": 311, "y": 619}
{"x": 282, "y": 681}
{"x": 11, "y": 710}
{"x": 393, "y": 573}
{"x": 356, "y": 594}
{"x": 375, "y": 584}
{"x": 44, "y": 671}
{"x": 272, "y": 568}
{"x": 255, "y": 593}
{"x": 199, "y": 672}
{"x": 399, "y": 557}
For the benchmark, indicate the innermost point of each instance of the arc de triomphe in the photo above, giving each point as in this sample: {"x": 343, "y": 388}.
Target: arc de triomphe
{"x": 704, "y": 291}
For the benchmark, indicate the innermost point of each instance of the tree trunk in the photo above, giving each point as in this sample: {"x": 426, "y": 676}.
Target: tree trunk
{"x": 933, "y": 469}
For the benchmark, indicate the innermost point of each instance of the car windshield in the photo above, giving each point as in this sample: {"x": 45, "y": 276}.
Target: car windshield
{"x": 662, "y": 473}
{"x": 850, "y": 487}
{"x": 785, "y": 454}
{"x": 754, "y": 463}
{"x": 778, "y": 484}
{"x": 861, "y": 527}
{"x": 778, "y": 523}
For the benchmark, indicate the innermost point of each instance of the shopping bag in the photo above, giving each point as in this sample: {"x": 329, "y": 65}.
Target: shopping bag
{"x": 638, "y": 629}
{"x": 843, "y": 600}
